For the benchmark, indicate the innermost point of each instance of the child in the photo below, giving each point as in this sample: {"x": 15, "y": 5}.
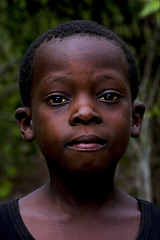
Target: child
{"x": 78, "y": 83}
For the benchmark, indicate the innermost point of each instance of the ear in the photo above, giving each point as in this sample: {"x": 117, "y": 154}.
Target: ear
{"x": 24, "y": 120}
{"x": 137, "y": 118}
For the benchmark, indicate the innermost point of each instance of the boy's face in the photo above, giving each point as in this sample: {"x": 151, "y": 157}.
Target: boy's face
{"x": 81, "y": 107}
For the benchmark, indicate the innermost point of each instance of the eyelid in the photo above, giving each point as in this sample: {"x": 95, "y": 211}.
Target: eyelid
{"x": 111, "y": 90}
{"x": 55, "y": 93}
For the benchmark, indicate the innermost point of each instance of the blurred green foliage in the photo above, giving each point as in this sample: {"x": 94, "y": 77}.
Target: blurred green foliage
{"x": 151, "y": 7}
{"x": 22, "y": 21}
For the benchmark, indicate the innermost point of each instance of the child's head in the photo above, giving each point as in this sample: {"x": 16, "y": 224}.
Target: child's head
{"x": 78, "y": 82}
{"x": 65, "y": 30}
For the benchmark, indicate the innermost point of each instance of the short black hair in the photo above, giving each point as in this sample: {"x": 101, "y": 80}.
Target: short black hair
{"x": 65, "y": 30}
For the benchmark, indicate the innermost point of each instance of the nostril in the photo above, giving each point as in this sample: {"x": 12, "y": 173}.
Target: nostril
{"x": 77, "y": 120}
{"x": 94, "y": 120}
{"x": 86, "y": 120}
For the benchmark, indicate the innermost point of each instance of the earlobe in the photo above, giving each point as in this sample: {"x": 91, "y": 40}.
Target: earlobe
{"x": 24, "y": 120}
{"x": 137, "y": 118}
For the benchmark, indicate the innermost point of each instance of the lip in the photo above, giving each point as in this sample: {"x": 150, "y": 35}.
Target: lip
{"x": 87, "y": 143}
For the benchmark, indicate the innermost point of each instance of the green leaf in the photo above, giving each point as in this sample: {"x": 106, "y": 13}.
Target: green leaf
{"x": 151, "y": 7}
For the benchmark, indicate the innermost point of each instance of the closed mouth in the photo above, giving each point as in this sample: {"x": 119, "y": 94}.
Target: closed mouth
{"x": 87, "y": 143}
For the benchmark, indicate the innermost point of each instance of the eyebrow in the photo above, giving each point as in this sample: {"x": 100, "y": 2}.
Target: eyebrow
{"x": 65, "y": 78}
{"x": 104, "y": 77}
{"x": 55, "y": 79}
{"x": 97, "y": 78}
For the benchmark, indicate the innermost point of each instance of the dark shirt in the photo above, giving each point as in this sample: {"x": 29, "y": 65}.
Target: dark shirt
{"x": 13, "y": 228}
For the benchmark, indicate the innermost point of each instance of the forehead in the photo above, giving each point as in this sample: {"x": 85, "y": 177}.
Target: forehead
{"x": 82, "y": 42}
{"x": 93, "y": 52}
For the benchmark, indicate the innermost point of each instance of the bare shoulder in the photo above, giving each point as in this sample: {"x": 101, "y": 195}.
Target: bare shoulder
{"x": 123, "y": 218}
{"x": 35, "y": 202}
{"x": 38, "y": 214}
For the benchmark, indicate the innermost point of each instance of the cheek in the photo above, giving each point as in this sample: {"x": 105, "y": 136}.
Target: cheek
{"x": 50, "y": 130}
{"x": 124, "y": 122}
{"x": 120, "y": 131}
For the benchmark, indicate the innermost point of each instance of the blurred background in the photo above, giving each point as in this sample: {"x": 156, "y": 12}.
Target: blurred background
{"x": 22, "y": 168}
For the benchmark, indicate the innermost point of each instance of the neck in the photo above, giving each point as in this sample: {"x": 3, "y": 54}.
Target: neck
{"x": 83, "y": 190}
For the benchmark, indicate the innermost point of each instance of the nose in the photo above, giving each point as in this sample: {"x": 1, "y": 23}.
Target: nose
{"x": 85, "y": 115}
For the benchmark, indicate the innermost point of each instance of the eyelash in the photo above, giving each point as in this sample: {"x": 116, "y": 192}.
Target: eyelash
{"x": 109, "y": 97}
{"x": 56, "y": 99}
{"x": 106, "y": 97}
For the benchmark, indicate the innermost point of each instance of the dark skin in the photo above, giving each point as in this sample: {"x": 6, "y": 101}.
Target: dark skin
{"x": 82, "y": 117}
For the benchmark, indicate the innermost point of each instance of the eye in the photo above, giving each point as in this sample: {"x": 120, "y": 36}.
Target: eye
{"x": 56, "y": 99}
{"x": 110, "y": 97}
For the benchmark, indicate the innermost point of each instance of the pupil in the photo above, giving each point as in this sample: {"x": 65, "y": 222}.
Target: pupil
{"x": 108, "y": 95}
{"x": 57, "y": 99}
